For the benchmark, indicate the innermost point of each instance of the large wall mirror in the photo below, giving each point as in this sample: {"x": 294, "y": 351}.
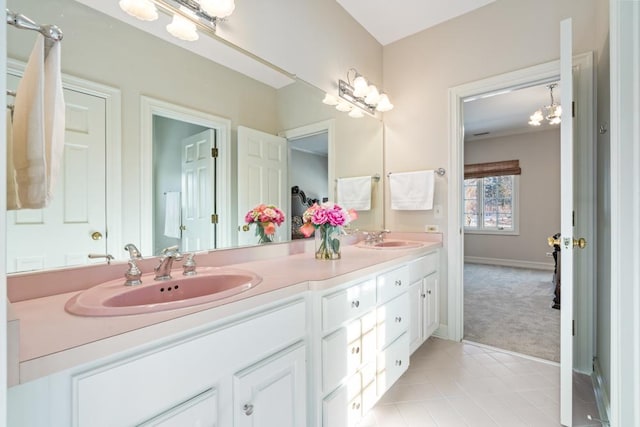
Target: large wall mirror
{"x": 134, "y": 102}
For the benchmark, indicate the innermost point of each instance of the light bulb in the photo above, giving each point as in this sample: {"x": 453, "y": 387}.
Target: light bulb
{"x": 360, "y": 87}
{"x": 343, "y": 106}
{"x": 330, "y": 99}
{"x": 373, "y": 96}
{"x": 183, "y": 28}
{"x": 384, "y": 104}
{"x": 144, "y": 10}
{"x": 218, "y": 8}
{"x": 356, "y": 113}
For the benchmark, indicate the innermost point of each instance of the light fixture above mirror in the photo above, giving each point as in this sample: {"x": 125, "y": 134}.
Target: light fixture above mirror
{"x": 358, "y": 92}
{"x": 186, "y": 13}
{"x": 552, "y": 112}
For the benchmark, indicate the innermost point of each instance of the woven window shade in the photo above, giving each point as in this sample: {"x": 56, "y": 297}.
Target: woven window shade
{"x": 480, "y": 170}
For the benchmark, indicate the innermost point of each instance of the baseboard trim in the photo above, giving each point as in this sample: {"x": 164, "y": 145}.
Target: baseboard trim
{"x": 513, "y": 353}
{"x": 442, "y": 332}
{"x": 602, "y": 398}
{"x": 510, "y": 263}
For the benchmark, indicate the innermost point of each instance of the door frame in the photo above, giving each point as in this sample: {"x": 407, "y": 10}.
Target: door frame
{"x": 150, "y": 107}
{"x": 584, "y": 92}
{"x": 113, "y": 147}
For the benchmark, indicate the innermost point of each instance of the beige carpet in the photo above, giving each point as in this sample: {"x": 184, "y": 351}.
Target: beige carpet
{"x": 510, "y": 308}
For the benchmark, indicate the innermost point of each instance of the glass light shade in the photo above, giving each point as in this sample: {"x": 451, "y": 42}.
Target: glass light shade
{"x": 144, "y": 10}
{"x": 373, "y": 96}
{"x": 182, "y": 28}
{"x": 343, "y": 106}
{"x": 218, "y": 8}
{"x": 330, "y": 99}
{"x": 356, "y": 113}
{"x": 360, "y": 87}
{"x": 555, "y": 121}
{"x": 384, "y": 104}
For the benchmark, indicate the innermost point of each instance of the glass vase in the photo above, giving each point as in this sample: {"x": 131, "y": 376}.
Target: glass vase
{"x": 262, "y": 236}
{"x": 327, "y": 242}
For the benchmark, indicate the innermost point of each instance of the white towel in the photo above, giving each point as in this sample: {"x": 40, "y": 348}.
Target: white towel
{"x": 13, "y": 202}
{"x": 412, "y": 191}
{"x": 172, "y": 214}
{"x": 38, "y": 127}
{"x": 355, "y": 193}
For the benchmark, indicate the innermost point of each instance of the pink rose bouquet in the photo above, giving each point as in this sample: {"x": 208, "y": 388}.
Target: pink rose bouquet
{"x": 328, "y": 218}
{"x": 266, "y": 218}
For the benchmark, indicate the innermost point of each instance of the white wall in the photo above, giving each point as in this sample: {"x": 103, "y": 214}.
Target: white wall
{"x": 538, "y": 201}
{"x": 309, "y": 172}
{"x": 503, "y": 36}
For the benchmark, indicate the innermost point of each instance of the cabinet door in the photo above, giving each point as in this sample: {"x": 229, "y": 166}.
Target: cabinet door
{"x": 272, "y": 392}
{"x": 431, "y": 313}
{"x": 201, "y": 411}
{"x": 415, "y": 315}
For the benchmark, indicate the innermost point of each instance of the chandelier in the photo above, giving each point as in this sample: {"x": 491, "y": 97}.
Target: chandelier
{"x": 552, "y": 112}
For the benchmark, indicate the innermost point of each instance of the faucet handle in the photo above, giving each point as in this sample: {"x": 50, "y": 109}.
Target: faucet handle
{"x": 172, "y": 251}
{"x": 189, "y": 265}
{"x": 134, "y": 253}
{"x": 133, "y": 274}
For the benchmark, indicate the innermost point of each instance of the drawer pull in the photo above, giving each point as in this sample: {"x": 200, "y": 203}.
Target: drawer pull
{"x": 355, "y": 405}
{"x": 398, "y": 362}
{"x": 423, "y": 295}
{"x": 355, "y": 304}
{"x": 429, "y": 291}
{"x": 355, "y": 350}
{"x": 247, "y": 409}
{"x": 398, "y": 282}
{"x": 398, "y": 319}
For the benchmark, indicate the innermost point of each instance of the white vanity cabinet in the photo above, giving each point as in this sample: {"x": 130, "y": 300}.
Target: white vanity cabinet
{"x": 363, "y": 334}
{"x": 248, "y": 371}
{"x": 423, "y": 299}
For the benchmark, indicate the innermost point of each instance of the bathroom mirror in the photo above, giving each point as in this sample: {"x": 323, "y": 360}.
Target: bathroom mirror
{"x": 120, "y": 65}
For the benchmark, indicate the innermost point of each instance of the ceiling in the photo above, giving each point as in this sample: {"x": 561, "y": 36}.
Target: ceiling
{"x": 389, "y": 21}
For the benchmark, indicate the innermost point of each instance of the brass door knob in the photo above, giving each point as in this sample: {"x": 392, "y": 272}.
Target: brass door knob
{"x": 551, "y": 241}
{"x": 183, "y": 228}
{"x": 581, "y": 243}
{"x": 96, "y": 235}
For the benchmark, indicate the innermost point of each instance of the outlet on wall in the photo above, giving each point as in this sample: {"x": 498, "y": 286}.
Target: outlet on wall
{"x": 431, "y": 228}
{"x": 437, "y": 211}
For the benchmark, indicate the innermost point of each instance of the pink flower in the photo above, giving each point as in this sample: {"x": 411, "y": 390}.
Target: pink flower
{"x": 269, "y": 228}
{"x": 307, "y": 229}
{"x": 353, "y": 215}
{"x": 320, "y": 216}
{"x": 336, "y": 217}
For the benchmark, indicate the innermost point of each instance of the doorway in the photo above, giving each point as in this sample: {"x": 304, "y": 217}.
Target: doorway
{"x": 511, "y": 205}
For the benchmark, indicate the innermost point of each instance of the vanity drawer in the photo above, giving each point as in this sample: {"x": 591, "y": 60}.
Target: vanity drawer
{"x": 392, "y": 362}
{"x": 343, "y": 408}
{"x": 393, "y": 320}
{"x": 423, "y": 267}
{"x": 347, "y": 304}
{"x": 392, "y": 283}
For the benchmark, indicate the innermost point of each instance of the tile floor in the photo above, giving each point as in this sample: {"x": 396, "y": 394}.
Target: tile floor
{"x": 450, "y": 384}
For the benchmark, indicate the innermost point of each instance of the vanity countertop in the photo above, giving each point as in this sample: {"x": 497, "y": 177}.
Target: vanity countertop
{"x": 50, "y": 339}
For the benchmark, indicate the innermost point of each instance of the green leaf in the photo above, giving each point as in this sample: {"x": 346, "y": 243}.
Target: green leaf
{"x": 335, "y": 244}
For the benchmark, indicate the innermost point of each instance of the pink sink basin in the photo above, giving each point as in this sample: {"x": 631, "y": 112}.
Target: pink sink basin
{"x": 114, "y": 299}
{"x": 392, "y": 244}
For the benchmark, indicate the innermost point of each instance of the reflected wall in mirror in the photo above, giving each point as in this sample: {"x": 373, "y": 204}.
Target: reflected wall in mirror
{"x": 130, "y": 64}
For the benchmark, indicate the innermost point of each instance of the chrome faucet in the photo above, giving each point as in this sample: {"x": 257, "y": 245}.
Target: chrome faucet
{"x": 108, "y": 257}
{"x": 133, "y": 275}
{"x": 134, "y": 253}
{"x": 373, "y": 237}
{"x": 163, "y": 270}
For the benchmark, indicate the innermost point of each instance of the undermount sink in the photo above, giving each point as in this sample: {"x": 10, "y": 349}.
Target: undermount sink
{"x": 391, "y": 244}
{"x": 113, "y": 298}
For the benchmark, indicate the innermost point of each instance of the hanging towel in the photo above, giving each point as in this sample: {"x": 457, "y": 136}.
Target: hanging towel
{"x": 355, "y": 193}
{"x": 13, "y": 202}
{"x": 172, "y": 214}
{"x": 38, "y": 127}
{"x": 412, "y": 191}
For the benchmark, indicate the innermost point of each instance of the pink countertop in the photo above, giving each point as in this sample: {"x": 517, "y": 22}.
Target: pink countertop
{"x": 50, "y": 339}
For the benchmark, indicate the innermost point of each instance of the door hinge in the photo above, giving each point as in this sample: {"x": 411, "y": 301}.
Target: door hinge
{"x": 214, "y": 153}
{"x": 573, "y": 109}
{"x": 573, "y": 218}
{"x": 573, "y": 332}
{"x": 214, "y": 218}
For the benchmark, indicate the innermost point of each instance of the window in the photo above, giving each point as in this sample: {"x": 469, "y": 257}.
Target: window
{"x": 490, "y": 197}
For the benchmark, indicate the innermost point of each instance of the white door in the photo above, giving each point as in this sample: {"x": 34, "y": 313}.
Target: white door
{"x": 198, "y": 232}
{"x": 273, "y": 392}
{"x": 74, "y": 224}
{"x": 262, "y": 178}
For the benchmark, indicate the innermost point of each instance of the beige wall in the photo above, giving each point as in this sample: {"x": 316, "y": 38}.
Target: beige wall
{"x": 318, "y": 41}
{"x": 418, "y": 71}
{"x": 539, "y": 196}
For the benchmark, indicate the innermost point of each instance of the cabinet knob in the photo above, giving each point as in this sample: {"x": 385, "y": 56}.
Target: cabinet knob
{"x": 355, "y": 350}
{"x": 429, "y": 291}
{"x": 423, "y": 295}
{"x": 247, "y": 409}
{"x": 355, "y": 304}
{"x": 398, "y": 319}
{"x": 398, "y": 362}
{"x": 398, "y": 282}
{"x": 356, "y": 405}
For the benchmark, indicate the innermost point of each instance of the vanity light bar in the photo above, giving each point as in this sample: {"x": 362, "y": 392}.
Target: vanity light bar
{"x": 192, "y": 5}
{"x": 345, "y": 91}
